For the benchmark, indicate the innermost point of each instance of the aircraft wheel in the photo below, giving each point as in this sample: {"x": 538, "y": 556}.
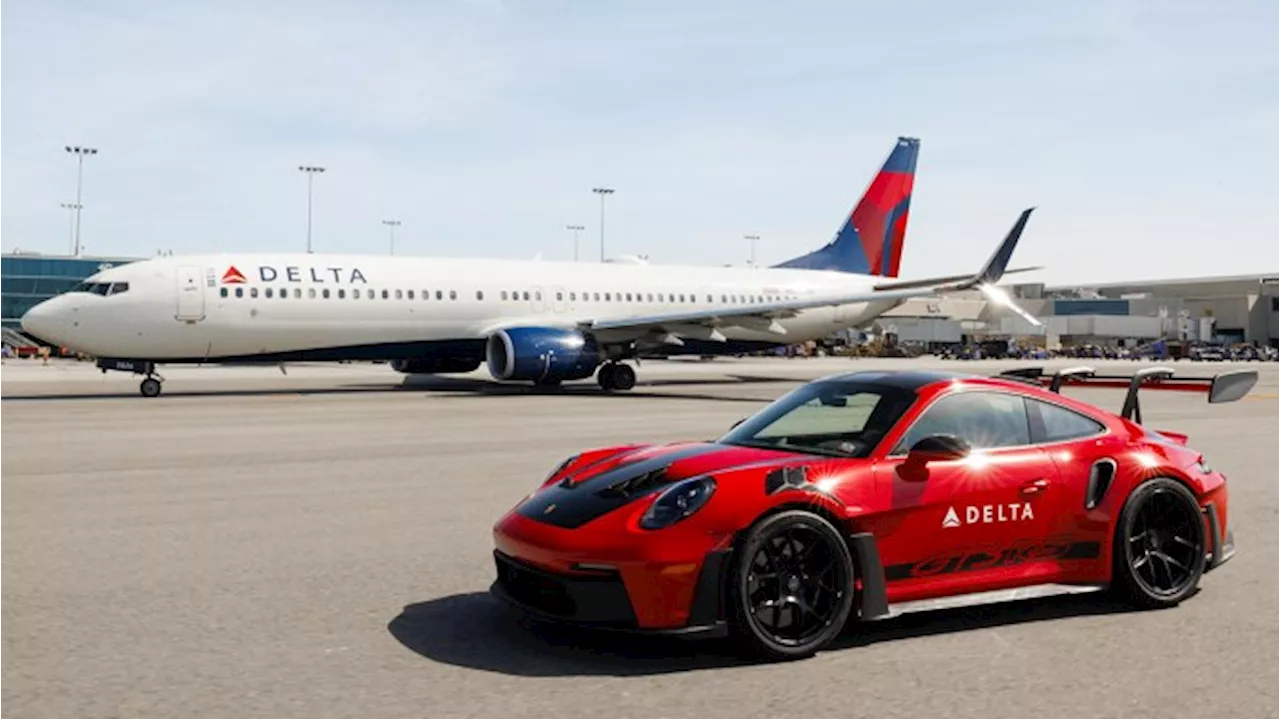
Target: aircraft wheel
{"x": 624, "y": 378}
{"x": 1160, "y": 542}
{"x": 605, "y": 376}
{"x": 150, "y": 387}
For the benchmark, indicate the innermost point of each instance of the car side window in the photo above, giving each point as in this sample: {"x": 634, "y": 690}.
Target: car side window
{"x": 985, "y": 420}
{"x": 1059, "y": 424}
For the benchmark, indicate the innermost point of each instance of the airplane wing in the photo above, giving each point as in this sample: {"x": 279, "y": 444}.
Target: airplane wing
{"x": 764, "y": 316}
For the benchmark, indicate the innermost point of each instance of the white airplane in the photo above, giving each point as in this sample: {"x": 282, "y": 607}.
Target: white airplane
{"x": 533, "y": 321}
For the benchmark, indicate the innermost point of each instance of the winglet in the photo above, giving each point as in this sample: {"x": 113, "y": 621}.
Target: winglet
{"x": 994, "y": 269}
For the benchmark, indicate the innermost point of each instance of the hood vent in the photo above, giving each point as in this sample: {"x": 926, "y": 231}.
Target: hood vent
{"x": 636, "y": 485}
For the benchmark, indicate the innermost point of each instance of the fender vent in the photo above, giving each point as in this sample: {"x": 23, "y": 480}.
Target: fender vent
{"x": 1100, "y": 476}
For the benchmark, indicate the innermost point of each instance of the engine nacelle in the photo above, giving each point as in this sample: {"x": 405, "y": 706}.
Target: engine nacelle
{"x": 541, "y": 354}
{"x": 435, "y": 365}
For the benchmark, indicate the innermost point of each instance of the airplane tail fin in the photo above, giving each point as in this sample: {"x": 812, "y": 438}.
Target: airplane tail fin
{"x": 870, "y": 242}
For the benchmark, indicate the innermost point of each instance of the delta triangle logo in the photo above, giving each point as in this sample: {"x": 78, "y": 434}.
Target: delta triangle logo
{"x": 233, "y": 276}
{"x": 952, "y": 519}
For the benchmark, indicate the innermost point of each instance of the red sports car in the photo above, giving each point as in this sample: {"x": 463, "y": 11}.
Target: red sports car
{"x": 866, "y": 495}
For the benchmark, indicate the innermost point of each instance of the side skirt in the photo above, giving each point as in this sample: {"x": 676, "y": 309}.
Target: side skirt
{"x": 995, "y": 596}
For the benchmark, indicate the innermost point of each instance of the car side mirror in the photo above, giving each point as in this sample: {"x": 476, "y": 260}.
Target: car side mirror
{"x": 938, "y": 448}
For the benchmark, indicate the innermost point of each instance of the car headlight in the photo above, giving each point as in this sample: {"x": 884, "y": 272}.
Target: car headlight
{"x": 677, "y": 502}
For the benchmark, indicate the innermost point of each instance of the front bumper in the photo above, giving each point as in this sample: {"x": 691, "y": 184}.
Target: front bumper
{"x": 600, "y": 600}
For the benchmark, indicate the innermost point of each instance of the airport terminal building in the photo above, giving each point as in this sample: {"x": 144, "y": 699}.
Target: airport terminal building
{"x": 1228, "y": 310}
{"x": 27, "y": 279}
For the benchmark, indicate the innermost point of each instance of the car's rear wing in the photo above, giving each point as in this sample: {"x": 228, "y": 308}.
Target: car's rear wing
{"x": 1222, "y": 387}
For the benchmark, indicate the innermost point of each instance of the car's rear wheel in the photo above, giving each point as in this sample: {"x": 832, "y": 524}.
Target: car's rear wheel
{"x": 1159, "y": 548}
{"x": 793, "y": 586}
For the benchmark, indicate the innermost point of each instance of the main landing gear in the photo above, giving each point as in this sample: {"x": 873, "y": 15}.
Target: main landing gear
{"x": 150, "y": 386}
{"x": 615, "y": 376}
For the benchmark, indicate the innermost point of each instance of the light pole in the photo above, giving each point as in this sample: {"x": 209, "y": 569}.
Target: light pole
{"x": 576, "y": 229}
{"x": 602, "y": 192}
{"x": 71, "y": 222}
{"x": 392, "y": 224}
{"x": 753, "y": 239}
{"x": 79, "y": 152}
{"x": 311, "y": 171}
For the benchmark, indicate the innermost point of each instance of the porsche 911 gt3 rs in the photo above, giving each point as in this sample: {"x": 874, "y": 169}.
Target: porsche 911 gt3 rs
{"x": 865, "y": 495}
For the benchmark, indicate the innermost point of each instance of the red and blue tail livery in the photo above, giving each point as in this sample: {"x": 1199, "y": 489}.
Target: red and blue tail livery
{"x": 870, "y": 242}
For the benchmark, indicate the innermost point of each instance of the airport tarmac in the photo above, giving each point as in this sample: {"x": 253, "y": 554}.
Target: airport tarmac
{"x": 317, "y": 544}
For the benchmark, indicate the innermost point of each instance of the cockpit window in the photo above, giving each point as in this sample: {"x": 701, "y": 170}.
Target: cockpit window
{"x": 101, "y": 288}
{"x": 96, "y": 288}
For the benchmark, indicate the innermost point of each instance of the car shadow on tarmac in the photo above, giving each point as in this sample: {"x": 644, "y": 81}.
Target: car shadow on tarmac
{"x": 453, "y": 387}
{"x": 476, "y": 631}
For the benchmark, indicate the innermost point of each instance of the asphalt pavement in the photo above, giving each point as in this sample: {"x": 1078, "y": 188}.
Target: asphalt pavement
{"x": 317, "y": 544}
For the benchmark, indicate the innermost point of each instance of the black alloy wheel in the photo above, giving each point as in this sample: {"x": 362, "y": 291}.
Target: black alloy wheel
{"x": 1160, "y": 544}
{"x": 793, "y": 586}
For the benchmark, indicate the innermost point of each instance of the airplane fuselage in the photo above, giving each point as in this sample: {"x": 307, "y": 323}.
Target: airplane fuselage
{"x": 244, "y": 307}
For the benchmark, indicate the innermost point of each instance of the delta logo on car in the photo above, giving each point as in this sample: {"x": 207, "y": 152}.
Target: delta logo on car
{"x": 233, "y": 276}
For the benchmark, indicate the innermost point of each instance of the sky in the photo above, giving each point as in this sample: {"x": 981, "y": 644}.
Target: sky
{"x": 1145, "y": 133}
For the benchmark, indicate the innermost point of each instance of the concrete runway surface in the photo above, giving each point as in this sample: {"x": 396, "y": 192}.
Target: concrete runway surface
{"x": 318, "y": 545}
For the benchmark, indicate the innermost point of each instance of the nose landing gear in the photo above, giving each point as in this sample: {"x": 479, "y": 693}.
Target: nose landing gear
{"x": 150, "y": 386}
{"x": 616, "y": 376}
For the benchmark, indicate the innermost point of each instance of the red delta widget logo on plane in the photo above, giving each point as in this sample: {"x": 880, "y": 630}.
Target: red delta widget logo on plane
{"x": 266, "y": 273}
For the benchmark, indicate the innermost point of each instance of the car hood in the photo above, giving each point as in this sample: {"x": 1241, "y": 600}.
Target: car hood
{"x": 596, "y": 488}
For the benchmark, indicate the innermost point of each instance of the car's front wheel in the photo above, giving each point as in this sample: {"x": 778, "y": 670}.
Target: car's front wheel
{"x": 793, "y": 586}
{"x": 1159, "y": 550}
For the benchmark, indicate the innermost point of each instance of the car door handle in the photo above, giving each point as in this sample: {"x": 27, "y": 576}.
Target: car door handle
{"x": 1035, "y": 486}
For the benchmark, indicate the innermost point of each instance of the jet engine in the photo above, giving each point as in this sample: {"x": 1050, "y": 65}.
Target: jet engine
{"x": 435, "y": 365}
{"x": 541, "y": 354}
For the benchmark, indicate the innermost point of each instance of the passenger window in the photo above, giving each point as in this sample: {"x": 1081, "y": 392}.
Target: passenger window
{"x": 253, "y": 291}
{"x": 223, "y": 292}
{"x": 239, "y": 292}
{"x": 325, "y": 293}
{"x": 297, "y": 293}
{"x": 453, "y": 294}
{"x": 284, "y": 293}
{"x": 386, "y": 294}
{"x": 399, "y": 295}
{"x": 597, "y": 295}
{"x": 355, "y": 294}
{"x": 311, "y": 293}
{"x": 409, "y": 294}
{"x": 267, "y": 293}
{"x": 342, "y": 294}
{"x": 983, "y": 419}
{"x": 479, "y": 294}
{"x": 503, "y": 296}
{"x": 439, "y": 294}
{"x": 573, "y": 296}
{"x": 1058, "y": 424}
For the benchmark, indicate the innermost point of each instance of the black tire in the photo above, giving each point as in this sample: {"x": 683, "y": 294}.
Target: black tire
{"x": 150, "y": 387}
{"x": 1159, "y": 552}
{"x": 624, "y": 378}
{"x": 805, "y": 588}
{"x": 604, "y": 376}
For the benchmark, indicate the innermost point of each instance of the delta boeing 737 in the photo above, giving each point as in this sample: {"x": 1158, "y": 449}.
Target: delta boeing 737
{"x": 531, "y": 321}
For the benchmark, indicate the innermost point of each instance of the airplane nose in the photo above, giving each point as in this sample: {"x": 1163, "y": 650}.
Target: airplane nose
{"x": 43, "y": 322}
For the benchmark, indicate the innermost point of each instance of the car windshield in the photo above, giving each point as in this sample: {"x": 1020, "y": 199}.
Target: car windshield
{"x": 835, "y": 418}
